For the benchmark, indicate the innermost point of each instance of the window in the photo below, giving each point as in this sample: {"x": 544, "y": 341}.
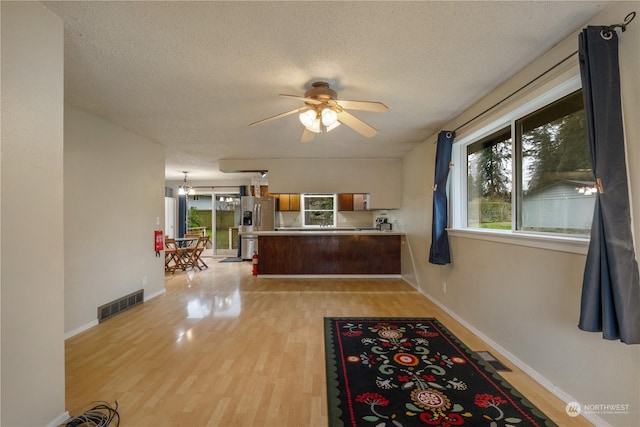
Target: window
{"x": 556, "y": 190}
{"x": 532, "y": 174}
{"x": 489, "y": 181}
{"x": 319, "y": 210}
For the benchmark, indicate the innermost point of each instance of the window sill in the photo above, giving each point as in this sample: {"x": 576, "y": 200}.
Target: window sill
{"x": 575, "y": 245}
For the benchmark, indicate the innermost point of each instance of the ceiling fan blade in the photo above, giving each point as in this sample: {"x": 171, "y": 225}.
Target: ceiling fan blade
{"x": 277, "y": 116}
{"x": 307, "y": 135}
{"x": 302, "y": 98}
{"x": 377, "y": 107}
{"x": 374, "y": 106}
{"x": 356, "y": 124}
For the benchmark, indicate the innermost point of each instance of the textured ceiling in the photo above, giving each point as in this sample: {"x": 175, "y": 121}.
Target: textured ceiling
{"x": 193, "y": 75}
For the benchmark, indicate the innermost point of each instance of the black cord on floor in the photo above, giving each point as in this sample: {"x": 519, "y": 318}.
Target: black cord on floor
{"x": 101, "y": 415}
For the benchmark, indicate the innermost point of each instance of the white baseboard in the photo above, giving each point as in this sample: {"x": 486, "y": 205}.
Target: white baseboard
{"x": 80, "y": 329}
{"x": 155, "y": 294}
{"x": 552, "y": 388}
{"x": 95, "y": 322}
{"x": 329, "y": 276}
{"x": 59, "y": 420}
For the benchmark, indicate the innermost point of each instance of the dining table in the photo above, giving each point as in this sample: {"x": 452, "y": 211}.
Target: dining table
{"x": 184, "y": 242}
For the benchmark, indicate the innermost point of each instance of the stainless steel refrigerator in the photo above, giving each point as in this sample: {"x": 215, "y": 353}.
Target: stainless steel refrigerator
{"x": 258, "y": 214}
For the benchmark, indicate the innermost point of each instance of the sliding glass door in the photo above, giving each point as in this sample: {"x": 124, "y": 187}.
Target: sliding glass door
{"x": 227, "y": 219}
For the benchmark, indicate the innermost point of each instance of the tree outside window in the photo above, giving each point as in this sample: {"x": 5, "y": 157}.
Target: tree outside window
{"x": 319, "y": 210}
{"x": 193, "y": 219}
{"x": 489, "y": 181}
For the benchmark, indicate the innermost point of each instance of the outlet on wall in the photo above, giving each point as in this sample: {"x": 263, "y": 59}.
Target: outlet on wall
{"x": 144, "y": 281}
{"x": 444, "y": 287}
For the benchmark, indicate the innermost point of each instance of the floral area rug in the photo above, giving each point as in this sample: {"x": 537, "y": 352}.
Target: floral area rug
{"x": 402, "y": 372}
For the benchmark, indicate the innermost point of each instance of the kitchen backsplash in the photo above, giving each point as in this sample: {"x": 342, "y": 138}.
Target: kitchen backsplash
{"x": 347, "y": 219}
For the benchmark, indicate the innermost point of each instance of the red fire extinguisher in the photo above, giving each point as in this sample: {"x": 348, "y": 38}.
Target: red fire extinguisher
{"x": 254, "y": 260}
{"x": 158, "y": 241}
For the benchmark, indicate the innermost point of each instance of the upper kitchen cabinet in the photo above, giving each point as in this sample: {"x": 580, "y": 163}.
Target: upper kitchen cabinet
{"x": 288, "y": 202}
{"x": 360, "y": 202}
{"x": 345, "y": 202}
{"x": 353, "y": 202}
{"x": 264, "y": 191}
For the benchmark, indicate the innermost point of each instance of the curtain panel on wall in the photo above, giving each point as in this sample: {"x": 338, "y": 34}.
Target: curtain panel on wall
{"x": 439, "y": 252}
{"x": 182, "y": 215}
{"x": 611, "y": 288}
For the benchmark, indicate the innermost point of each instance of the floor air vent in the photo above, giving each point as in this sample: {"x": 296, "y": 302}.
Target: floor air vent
{"x": 491, "y": 360}
{"x": 112, "y": 308}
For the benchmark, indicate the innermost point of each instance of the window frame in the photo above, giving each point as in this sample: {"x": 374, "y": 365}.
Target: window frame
{"x": 458, "y": 178}
{"x": 303, "y": 209}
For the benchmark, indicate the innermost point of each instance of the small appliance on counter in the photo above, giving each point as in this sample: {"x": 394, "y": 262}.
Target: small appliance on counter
{"x": 382, "y": 224}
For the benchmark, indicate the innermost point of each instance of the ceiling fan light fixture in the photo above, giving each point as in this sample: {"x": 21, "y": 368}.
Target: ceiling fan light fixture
{"x": 323, "y": 112}
{"x": 307, "y": 118}
{"x": 329, "y": 117}
{"x": 315, "y": 126}
{"x": 333, "y": 126}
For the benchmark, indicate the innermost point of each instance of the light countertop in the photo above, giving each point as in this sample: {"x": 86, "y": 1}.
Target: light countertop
{"x": 285, "y": 231}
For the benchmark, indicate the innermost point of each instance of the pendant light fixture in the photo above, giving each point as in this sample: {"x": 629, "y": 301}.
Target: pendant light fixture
{"x": 185, "y": 189}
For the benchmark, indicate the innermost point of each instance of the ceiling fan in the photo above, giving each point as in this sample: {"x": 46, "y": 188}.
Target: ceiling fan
{"x": 324, "y": 111}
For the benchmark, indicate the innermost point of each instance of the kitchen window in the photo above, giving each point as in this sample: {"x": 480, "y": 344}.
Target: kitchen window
{"x": 528, "y": 174}
{"x": 319, "y": 210}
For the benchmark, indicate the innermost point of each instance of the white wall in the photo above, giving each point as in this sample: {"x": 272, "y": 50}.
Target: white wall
{"x": 526, "y": 299}
{"x": 381, "y": 178}
{"x": 31, "y": 169}
{"x": 114, "y": 200}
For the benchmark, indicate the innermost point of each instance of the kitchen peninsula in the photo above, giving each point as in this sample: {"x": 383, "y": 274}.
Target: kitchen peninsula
{"x": 330, "y": 251}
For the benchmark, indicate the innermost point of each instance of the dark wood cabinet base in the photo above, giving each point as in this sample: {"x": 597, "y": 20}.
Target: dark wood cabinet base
{"x": 364, "y": 254}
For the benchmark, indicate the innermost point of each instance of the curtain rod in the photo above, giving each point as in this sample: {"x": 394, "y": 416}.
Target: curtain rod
{"x": 606, "y": 31}
{"x": 516, "y": 91}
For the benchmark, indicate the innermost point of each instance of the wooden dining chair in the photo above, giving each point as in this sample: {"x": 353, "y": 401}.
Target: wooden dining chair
{"x": 194, "y": 258}
{"x": 203, "y": 242}
{"x": 172, "y": 255}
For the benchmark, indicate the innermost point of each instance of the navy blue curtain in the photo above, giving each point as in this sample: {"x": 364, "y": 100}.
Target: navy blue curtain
{"x": 611, "y": 288}
{"x": 182, "y": 215}
{"x": 439, "y": 252}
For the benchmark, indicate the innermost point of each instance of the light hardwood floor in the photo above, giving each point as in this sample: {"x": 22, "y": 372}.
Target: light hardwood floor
{"x": 224, "y": 348}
